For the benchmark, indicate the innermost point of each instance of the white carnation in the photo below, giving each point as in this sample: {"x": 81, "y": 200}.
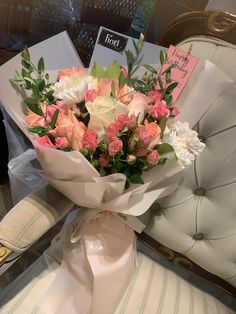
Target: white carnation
{"x": 72, "y": 89}
{"x": 184, "y": 141}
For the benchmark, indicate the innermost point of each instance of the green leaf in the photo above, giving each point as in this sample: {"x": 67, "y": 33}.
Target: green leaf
{"x": 169, "y": 68}
{"x": 170, "y": 88}
{"x": 41, "y": 66}
{"x": 97, "y": 70}
{"x": 29, "y": 80}
{"x": 33, "y": 106}
{"x": 49, "y": 95}
{"x": 150, "y": 68}
{"x": 25, "y": 54}
{"x": 136, "y": 178}
{"x": 121, "y": 80}
{"x": 168, "y": 77}
{"x": 162, "y": 124}
{"x": 160, "y": 83}
{"x": 40, "y": 83}
{"x": 54, "y": 118}
{"x": 26, "y": 65}
{"x": 135, "y": 46}
{"x": 24, "y": 73}
{"x": 162, "y": 161}
{"x": 113, "y": 89}
{"x": 130, "y": 57}
{"x": 113, "y": 71}
{"x": 40, "y": 130}
{"x": 168, "y": 99}
{"x": 162, "y": 57}
{"x": 165, "y": 148}
{"x": 140, "y": 43}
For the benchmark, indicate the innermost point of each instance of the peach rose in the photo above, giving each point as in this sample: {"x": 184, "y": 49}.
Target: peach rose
{"x": 104, "y": 89}
{"x": 155, "y": 130}
{"x": 73, "y": 72}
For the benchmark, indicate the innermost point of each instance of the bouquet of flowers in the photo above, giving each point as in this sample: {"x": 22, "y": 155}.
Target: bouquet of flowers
{"x": 110, "y": 140}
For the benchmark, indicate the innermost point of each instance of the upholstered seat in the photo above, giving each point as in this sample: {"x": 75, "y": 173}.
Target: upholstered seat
{"x": 153, "y": 289}
{"x": 199, "y": 219}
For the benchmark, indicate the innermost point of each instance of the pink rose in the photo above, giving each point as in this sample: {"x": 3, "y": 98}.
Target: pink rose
{"x": 115, "y": 147}
{"x": 159, "y": 110}
{"x": 45, "y": 141}
{"x": 112, "y": 131}
{"x": 138, "y": 106}
{"x": 73, "y": 72}
{"x": 51, "y": 110}
{"x": 90, "y": 140}
{"x": 132, "y": 121}
{"x": 152, "y": 158}
{"x": 61, "y": 142}
{"x": 103, "y": 161}
{"x": 145, "y": 136}
{"x": 122, "y": 121}
{"x": 90, "y": 95}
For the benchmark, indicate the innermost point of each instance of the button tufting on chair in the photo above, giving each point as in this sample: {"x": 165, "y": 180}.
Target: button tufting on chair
{"x": 188, "y": 210}
{"x": 198, "y": 236}
{"x": 200, "y": 191}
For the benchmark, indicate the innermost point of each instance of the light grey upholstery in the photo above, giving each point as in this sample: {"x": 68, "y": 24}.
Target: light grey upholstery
{"x": 199, "y": 219}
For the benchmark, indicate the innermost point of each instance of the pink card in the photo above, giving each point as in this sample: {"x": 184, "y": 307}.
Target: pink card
{"x": 185, "y": 64}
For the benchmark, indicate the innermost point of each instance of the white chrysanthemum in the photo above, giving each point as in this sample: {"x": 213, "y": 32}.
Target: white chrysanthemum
{"x": 184, "y": 141}
{"x": 72, "y": 89}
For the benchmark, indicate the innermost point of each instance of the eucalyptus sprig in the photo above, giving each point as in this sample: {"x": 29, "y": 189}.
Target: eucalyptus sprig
{"x": 34, "y": 79}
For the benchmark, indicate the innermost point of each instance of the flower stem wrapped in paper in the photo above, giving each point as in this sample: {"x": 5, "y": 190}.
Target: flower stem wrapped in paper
{"x": 111, "y": 143}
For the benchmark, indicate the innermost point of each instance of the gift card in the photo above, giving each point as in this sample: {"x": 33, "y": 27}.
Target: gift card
{"x": 185, "y": 64}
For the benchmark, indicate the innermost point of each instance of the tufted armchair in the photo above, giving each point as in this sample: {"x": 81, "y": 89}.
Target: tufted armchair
{"x": 198, "y": 220}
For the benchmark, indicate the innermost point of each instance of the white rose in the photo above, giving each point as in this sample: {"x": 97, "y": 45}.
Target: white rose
{"x": 103, "y": 110}
{"x": 72, "y": 89}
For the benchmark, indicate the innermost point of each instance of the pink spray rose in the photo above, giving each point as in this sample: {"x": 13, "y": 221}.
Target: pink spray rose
{"x": 122, "y": 121}
{"x": 103, "y": 161}
{"x": 152, "y": 158}
{"x": 90, "y": 140}
{"x": 45, "y": 141}
{"x": 61, "y": 142}
{"x": 115, "y": 147}
{"x": 112, "y": 131}
{"x": 155, "y": 96}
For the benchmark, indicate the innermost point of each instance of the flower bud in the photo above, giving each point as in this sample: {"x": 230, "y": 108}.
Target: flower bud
{"x": 131, "y": 159}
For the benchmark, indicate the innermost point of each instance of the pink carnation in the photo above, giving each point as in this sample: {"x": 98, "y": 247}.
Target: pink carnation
{"x": 103, "y": 161}
{"x": 112, "y": 131}
{"x": 155, "y": 96}
{"x": 45, "y": 141}
{"x": 159, "y": 110}
{"x": 115, "y": 147}
{"x": 152, "y": 158}
{"x": 61, "y": 142}
{"x": 90, "y": 140}
{"x": 90, "y": 95}
{"x": 175, "y": 111}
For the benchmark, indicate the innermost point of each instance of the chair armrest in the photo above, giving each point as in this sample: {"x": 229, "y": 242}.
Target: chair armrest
{"x": 30, "y": 219}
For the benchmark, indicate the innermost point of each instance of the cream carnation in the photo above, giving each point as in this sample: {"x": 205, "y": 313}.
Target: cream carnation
{"x": 184, "y": 141}
{"x": 72, "y": 89}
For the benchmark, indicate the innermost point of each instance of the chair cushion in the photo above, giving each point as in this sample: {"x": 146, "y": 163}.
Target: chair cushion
{"x": 153, "y": 289}
{"x": 199, "y": 219}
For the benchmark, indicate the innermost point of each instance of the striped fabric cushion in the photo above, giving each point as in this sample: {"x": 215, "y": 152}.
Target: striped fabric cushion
{"x": 153, "y": 289}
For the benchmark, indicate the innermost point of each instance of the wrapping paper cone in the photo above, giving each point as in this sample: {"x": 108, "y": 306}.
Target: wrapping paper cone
{"x": 95, "y": 271}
